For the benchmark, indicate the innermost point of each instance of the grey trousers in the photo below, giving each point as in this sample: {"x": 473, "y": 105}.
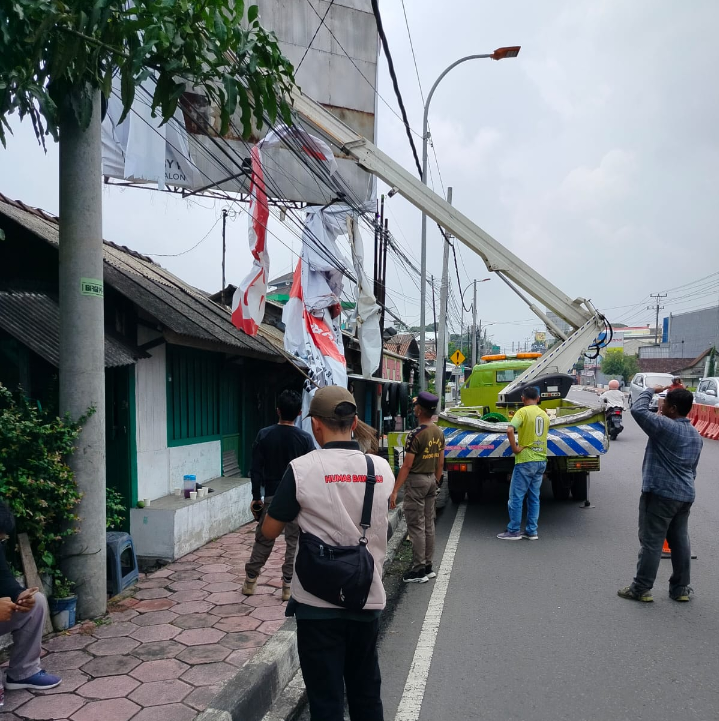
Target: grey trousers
{"x": 26, "y": 630}
{"x": 661, "y": 518}
{"x": 263, "y": 547}
{"x": 420, "y": 498}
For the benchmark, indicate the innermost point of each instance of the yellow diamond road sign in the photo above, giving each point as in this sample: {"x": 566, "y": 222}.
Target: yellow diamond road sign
{"x": 457, "y": 357}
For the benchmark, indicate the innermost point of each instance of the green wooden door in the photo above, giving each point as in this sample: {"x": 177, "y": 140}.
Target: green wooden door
{"x": 120, "y": 435}
{"x": 230, "y": 414}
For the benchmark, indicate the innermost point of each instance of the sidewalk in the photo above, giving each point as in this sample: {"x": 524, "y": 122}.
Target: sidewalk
{"x": 167, "y": 649}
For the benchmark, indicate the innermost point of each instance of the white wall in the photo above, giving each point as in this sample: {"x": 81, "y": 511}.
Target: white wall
{"x": 159, "y": 468}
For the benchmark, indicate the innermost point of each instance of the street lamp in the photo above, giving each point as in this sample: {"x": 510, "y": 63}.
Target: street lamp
{"x": 498, "y": 54}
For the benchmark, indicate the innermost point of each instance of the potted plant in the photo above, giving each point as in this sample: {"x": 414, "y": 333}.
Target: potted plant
{"x": 63, "y": 603}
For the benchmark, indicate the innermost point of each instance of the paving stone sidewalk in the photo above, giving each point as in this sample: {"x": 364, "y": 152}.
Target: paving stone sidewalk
{"x": 165, "y": 651}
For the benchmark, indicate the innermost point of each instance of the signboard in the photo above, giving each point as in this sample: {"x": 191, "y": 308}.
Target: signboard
{"x": 540, "y": 336}
{"x": 457, "y": 357}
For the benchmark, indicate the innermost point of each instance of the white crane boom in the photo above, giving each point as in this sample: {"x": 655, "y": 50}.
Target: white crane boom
{"x": 579, "y": 313}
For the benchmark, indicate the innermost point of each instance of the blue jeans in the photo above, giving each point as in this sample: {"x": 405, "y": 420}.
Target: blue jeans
{"x": 526, "y": 481}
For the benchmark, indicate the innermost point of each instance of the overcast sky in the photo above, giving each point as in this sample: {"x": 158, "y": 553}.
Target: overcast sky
{"x": 593, "y": 156}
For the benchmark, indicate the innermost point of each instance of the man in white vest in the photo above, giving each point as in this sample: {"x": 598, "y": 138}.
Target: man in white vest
{"x": 324, "y": 492}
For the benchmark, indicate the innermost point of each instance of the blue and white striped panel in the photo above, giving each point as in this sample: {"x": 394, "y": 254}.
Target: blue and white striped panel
{"x": 583, "y": 440}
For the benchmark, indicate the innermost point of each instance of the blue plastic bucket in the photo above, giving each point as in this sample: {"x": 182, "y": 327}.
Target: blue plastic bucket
{"x": 62, "y": 612}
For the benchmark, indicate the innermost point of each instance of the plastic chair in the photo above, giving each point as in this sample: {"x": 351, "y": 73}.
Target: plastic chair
{"x": 122, "y": 568}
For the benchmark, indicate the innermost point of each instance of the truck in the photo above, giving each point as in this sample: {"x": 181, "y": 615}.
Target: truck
{"x": 477, "y": 448}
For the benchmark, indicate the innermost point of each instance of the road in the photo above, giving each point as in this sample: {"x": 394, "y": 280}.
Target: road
{"x": 534, "y": 631}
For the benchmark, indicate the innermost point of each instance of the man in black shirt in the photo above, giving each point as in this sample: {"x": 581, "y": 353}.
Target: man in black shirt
{"x": 22, "y": 614}
{"x": 274, "y": 448}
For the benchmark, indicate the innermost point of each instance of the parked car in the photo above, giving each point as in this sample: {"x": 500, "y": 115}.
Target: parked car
{"x": 707, "y": 392}
{"x": 642, "y": 381}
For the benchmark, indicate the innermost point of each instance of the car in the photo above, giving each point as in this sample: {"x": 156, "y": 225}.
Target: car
{"x": 642, "y": 381}
{"x": 707, "y": 392}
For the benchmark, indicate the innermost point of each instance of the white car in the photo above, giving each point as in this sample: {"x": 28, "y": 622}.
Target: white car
{"x": 642, "y": 381}
{"x": 707, "y": 392}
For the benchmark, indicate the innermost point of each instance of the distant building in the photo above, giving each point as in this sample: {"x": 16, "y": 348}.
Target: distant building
{"x": 689, "y": 334}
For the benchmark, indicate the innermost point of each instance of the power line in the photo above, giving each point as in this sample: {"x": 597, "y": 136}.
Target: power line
{"x": 184, "y": 252}
{"x": 322, "y": 21}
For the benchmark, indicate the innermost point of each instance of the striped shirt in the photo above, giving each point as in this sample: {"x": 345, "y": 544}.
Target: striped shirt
{"x": 672, "y": 453}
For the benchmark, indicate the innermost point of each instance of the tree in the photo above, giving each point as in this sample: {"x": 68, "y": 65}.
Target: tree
{"x": 618, "y": 364}
{"x": 58, "y": 59}
{"x": 55, "y": 53}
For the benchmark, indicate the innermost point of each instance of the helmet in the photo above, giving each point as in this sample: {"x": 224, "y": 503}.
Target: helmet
{"x": 613, "y": 385}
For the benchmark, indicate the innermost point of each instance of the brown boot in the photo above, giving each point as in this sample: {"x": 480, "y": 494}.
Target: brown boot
{"x": 249, "y": 586}
{"x": 286, "y": 591}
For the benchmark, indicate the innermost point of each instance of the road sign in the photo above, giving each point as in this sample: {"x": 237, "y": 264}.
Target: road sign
{"x": 457, "y": 357}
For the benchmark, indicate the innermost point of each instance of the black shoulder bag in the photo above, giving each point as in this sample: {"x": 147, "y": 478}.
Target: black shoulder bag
{"x": 340, "y": 575}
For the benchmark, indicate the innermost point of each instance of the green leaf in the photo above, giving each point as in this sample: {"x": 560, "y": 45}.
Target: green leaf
{"x": 220, "y": 28}
{"x": 252, "y": 12}
{"x": 127, "y": 89}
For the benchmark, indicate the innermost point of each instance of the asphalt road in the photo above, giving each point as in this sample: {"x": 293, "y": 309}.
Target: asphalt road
{"x": 534, "y": 631}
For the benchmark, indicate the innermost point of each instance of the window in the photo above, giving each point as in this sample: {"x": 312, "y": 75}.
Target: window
{"x": 507, "y": 376}
{"x": 193, "y": 395}
{"x": 640, "y": 381}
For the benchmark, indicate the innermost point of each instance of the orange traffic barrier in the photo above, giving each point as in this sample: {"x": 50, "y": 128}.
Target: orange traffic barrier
{"x": 694, "y": 414}
{"x": 703, "y": 422}
{"x": 666, "y": 551}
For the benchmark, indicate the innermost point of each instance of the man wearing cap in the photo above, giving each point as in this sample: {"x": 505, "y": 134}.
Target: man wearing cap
{"x": 527, "y": 432}
{"x": 422, "y": 470}
{"x": 324, "y": 492}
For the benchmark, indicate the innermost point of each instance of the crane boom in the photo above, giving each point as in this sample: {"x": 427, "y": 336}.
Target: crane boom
{"x": 579, "y": 313}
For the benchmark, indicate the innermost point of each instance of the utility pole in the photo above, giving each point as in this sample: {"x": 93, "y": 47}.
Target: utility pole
{"x": 224, "y": 251}
{"x": 434, "y": 320}
{"x": 474, "y": 326}
{"x": 442, "y": 334}
{"x": 82, "y": 351}
{"x": 658, "y": 297}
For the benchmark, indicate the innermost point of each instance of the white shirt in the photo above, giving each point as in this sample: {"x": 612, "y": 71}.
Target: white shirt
{"x": 613, "y": 398}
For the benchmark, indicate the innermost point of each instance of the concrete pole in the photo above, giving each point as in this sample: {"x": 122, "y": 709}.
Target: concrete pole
{"x": 474, "y": 326}
{"x": 82, "y": 351}
{"x": 442, "y": 334}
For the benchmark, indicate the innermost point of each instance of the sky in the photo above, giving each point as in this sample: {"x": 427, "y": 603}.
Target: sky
{"x": 593, "y": 156}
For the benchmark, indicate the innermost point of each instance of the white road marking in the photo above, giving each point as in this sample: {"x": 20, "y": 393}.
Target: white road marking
{"x": 413, "y": 694}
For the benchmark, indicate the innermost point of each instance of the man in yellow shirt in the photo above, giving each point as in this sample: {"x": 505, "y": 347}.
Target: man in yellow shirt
{"x": 527, "y": 434}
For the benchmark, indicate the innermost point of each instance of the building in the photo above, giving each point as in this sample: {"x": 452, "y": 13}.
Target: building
{"x": 689, "y": 334}
{"x": 689, "y": 370}
{"x": 186, "y": 391}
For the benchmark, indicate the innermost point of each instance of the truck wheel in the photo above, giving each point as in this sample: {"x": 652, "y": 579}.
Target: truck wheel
{"x": 560, "y": 491}
{"x": 580, "y": 486}
{"x": 457, "y": 489}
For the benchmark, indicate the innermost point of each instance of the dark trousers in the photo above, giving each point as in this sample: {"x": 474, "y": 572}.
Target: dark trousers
{"x": 335, "y": 654}
{"x": 661, "y": 518}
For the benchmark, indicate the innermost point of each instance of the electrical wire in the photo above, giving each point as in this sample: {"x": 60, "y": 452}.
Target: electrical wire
{"x": 185, "y": 252}
{"x": 307, "y": 49}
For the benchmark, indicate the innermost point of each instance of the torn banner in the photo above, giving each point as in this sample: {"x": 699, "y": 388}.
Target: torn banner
{"x": 248, "y": 302}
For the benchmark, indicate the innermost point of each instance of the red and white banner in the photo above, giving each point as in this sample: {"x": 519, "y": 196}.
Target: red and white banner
{"x": 248, "y": 303}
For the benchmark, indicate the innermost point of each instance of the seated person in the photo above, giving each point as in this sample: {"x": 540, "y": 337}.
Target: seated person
{"x": 22, "y": 613}
{"x": 613, "y": 397}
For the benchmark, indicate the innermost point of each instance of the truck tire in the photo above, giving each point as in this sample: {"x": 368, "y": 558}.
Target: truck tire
{"x": 560, "y": 491}
{"x": 403, "y": 399}
{"x": 580, "y": 486}
{"x": 457, "y": 488}
{"x": 393, "y": 399}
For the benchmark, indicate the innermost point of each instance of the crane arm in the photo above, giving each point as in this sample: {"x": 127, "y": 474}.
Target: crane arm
{"x": 496, "y": 257}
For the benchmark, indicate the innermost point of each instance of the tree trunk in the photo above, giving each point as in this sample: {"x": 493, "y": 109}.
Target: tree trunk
{"x": 82, "y": 351}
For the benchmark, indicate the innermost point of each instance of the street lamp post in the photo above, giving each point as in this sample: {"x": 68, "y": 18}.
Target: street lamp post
{"x": 473, "y": 347}
{"x": 498, "y": 54}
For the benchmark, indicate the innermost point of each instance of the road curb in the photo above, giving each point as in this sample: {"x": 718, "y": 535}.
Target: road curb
{"x": 251, "y": 692}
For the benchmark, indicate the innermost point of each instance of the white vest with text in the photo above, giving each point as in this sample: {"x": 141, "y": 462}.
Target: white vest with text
{"x": 330, "y": 491}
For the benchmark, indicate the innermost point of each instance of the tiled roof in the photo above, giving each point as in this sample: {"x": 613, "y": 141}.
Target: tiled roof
{"x": 34, "y": 319}
{"x": 177, "y": 305}
{"x": 402, "y": 344}
{"x": 669, "y": 365}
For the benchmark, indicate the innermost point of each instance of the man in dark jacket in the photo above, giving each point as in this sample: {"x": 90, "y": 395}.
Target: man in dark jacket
{"x": 668, "y": 474}
{"x": 22, "y": 613}
{"x": 272, "y": 452}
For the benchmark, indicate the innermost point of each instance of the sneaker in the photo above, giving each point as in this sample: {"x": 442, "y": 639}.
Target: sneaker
{"x": 429, "y": 572}
{"x": 530, "y": 536}
{"x": 249, "y": 586}
{"x": 41, "y": 681}
{"x": 415, "y": 577}
{"x": 286, "y": 590}
{"x": 510, "y": 536}
{"x": 682, "y": 596}
{"x": 633, "y": 595}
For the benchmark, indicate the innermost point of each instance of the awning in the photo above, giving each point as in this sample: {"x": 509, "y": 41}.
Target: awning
{"x": 34, "y": 320}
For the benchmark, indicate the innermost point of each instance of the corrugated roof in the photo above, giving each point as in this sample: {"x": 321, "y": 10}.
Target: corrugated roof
{"x": 177, "y": 305}
{"x": 401, "y": 343}
{"x": 34, "y": 320}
